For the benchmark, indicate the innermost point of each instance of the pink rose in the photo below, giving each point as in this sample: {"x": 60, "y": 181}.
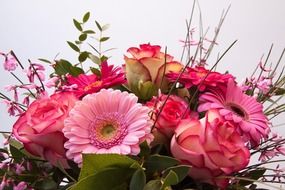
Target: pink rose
{"x": 148, "y": 63}
{"x": 212, "y": 147}
{"x": 172, "y": 113}
{"x": 40, "y": 127}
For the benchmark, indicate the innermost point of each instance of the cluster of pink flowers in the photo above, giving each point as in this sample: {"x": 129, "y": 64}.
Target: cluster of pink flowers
{"x": 210, "y": 124}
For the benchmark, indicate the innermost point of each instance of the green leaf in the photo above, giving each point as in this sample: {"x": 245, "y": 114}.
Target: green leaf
{"x": 153, "y": 185}
{"x": 96, "y": 162}
{"x": 158, "y": 163}
{"x": 46, "y": 184}
{"x": 138, "y": 180}
{"x": 95, "y": 71}
{"x": 253, "y": 175}
{"x": 103, "y": 39}
{"x": 104, "y": 58}
{"x": 78, "y": 42}
{"x": 98, "y": 26}
{"x": 16, "y": 153}
{"x": 88, "y": 32}
{"x": 62, "y": 67}
{"x": 94, "y": 59}
{"x": 44, "y": 60}
{"x": 75, "y": 71}
{"x": 279, "y": 91}
{"x": 83, "y": 56}
{"x": 106, "y": 179}
{"x": 181, "y": 171}
{"x": 73, "y": 46}
{"x": 82, "y": 37}
{"x": 170, "y": 179}
{"x": 77, "y": 25}
{"x": 86, "y": 17}
{"x": 145, "y": 149}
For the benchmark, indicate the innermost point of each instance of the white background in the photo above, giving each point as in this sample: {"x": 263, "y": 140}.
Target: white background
{"x": 35, "y": 29}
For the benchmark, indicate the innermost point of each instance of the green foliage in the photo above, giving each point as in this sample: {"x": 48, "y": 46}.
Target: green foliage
{"x": 138, "y": 180}
{"x": 86, "y": 17}
{"x": 144, "y": 90}
{"x": 82, "y": 37}
{"x": 63, "y": 67}
{"x": 73, "y": 46}
{"x": 83, "y": 56}
{"x": 103, "y": 39}
{"x": 77, "y": 25}
{"x": 253, "y": 175}
{"x": 158, "y": 163}
{"x": 153, "y": 185}
{"x": 95, "y": 162}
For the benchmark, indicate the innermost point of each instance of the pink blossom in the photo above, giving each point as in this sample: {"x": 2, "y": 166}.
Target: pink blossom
{"x": 264, "y": 84}
{"x": 10, "y": 63}
{"x": 12, "y": 107}
{"x": 52, "y": 82}
{"x": 21, "y": 186}
{"x": 243, "y": 110}
{"x": 19, "y": 168}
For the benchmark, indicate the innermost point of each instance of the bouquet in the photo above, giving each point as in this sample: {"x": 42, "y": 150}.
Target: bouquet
{"x": 153, "y": 123}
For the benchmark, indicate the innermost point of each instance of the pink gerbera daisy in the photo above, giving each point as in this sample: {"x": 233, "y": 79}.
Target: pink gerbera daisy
{"x": 241, "y": 109}
{"x": 87, "y": 84}
{"x": 200, "y": 77}
{"x": 109, "y": 121}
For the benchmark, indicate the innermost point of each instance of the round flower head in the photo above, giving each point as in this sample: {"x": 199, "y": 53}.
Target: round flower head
{"x": 241, "y": 109}
{"x": 109, "y": 121}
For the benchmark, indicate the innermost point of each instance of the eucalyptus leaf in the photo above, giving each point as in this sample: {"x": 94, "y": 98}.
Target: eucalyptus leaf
{"x": 73, "y": 46}
{"x": 105, "y": 27}
{"x": 86, "y": 17}
{"x": 62, "y": 67}
{"x": 95, "y": 71}
{"x": 103, "y": 39}
{"x": 44, "y": 60}
{"x": 98, "y": 26}
{"x": 83, "y": 56}
{"x": 88, "y": 32}
{"x": 75, "y": 71}
{"x": 82, "y": 37}
{"x": 94, "y": 59}
{"x": 77, "y": 25}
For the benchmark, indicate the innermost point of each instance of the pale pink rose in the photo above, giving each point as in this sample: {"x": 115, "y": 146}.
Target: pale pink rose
{"x": 212, "y": 147}
{"x": 40, "y": 127}
{"x": 148, "y": 63}
{"x": 173, "y": 111}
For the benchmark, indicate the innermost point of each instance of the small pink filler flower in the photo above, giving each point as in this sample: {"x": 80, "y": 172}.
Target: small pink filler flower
{"x": 109, "y": 121}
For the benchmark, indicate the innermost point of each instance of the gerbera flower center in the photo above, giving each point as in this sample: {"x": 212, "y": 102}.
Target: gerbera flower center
{"x": 93, "y": 85}
{"x": 238, "y": 110}
{"x": 107, "y": 130}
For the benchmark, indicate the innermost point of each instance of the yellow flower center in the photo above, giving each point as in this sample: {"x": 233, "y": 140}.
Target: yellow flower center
{"x": 93, "y": 85}
{"x": 108, "y": 131}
